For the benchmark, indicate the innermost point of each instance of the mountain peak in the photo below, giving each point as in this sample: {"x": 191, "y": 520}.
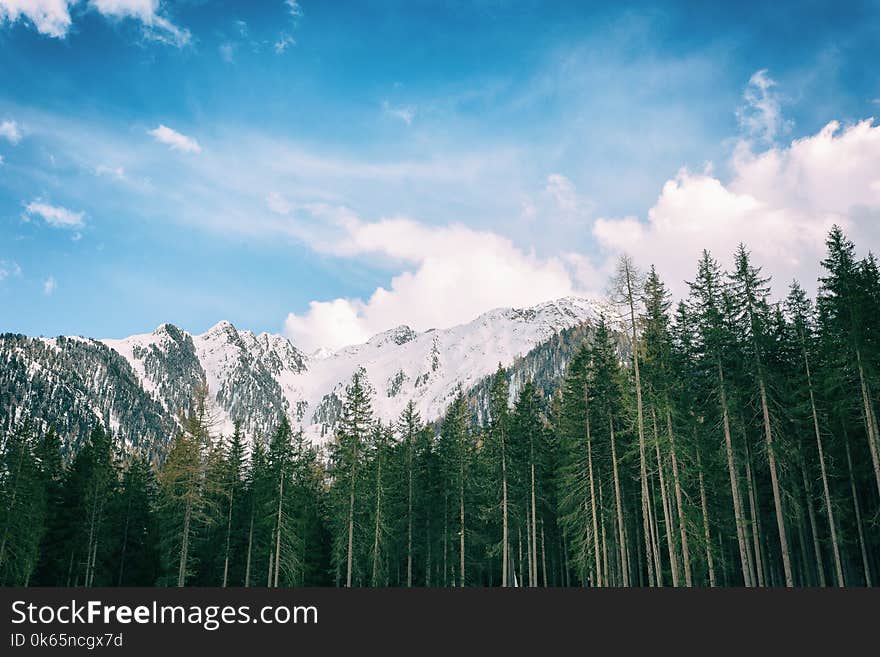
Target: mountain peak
{"x": 398, "y": 335}
{"x": 221, "y": 327}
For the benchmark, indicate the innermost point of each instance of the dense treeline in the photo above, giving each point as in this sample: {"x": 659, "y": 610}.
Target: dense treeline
{"x": 727, "y": 440}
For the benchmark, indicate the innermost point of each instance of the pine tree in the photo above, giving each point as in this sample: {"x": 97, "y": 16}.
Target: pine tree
{"x": 347, "y": 458}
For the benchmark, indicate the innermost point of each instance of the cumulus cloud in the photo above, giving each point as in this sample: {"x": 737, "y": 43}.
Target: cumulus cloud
{"x": 52, "y": 17}
{"x": 49, "y": 286}
{"x": 450, "y": 275}
{"x": 175, "y": 140}
{"x": 9, "y": 268}
{"x": 56, "y": 216}
{"x": 780, "y": 202}
{"x": 49, "y": 17}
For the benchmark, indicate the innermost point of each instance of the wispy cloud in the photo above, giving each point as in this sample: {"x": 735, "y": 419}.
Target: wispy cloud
{"x": 405, "y": 113}
{"x": 227, "y": 52}
{"x": 278, "y": 204}
{"x": 157, "y": 27}
{"x": 761, "y": 116}
{"x": 283, "y": 43}
{"x": 56, "y": 216}
{"x": 9, "y": 130}
{"x": 117, "y": 173}
{"x": 285, "y": 39}
{"x": 175, "y": 140}
{"x": 49, "y": 286}
{"x": 9, "y": 268}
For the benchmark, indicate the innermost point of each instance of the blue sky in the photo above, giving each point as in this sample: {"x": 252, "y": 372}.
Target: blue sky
{"x": 264, "y": 162}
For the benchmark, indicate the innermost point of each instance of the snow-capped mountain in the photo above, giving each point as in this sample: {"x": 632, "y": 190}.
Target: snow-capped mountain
{"x": 258, "y": 379}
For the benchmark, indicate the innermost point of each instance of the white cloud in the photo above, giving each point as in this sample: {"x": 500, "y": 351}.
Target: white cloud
{"x": 50, "y": 17}
{"x": 278, "y": 204}
{"x": 49, "y": 285}
{"x": 404, "y": 112}
{"x": 9, "y": 268}
{"x": 175, "y": 140}
{"x": 227, "y": 52}
{"x": 780, "y": 202}
{"x": 55, "y": 215}
{"x": 9, "y": 130}
{"x": 562, "y": 191}
{"x": 283, "y": 43}
{"x": 156, "y": 26}
{"x": 1, "y": 161}
{"x": 285, "y": 39}
{"x": 761, "y": 116}
{"x": 294, "y": 8}
{"x": 450, "y": 275}
{"x": 109, "y": 171}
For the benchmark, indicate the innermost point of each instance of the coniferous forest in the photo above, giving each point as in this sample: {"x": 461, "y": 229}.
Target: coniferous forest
{"x": 727, "y": 439}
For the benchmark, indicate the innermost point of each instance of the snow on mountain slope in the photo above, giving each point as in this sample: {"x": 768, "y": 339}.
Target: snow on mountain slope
{"x": 260, "y": 378}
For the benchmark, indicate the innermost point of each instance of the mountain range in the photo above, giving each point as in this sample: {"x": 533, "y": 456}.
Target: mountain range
{"x": 139, "y": 386}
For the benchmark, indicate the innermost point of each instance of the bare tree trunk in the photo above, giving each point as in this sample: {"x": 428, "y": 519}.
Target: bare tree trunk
{"x": 461, "y": 518}
{"x": 870, "y": 420}
{"x": 228, "y": 537}
{"x": 247, "y": 569}
{"x": 667, "y": 515}
{"x": 755, "y": 515}
{"x": 184, "y": 544}
{"x": 710, "y": 564}
{"x": 534, "y": 551}
{"x": 350, "y": 555}
{"x": 604, "y": 537}
{"x": 505, "y": 531}
{"x": 520, "y": 563}
{"x": 271, "y": 562}
{"x": 655, "y": 540}
{"x": 627, "y": 279}
{"x": 829, "y": 510}
{"x": 618, "y": 503}
{"x": 817, "y": 551}
{"x": 593, "y": 500}
{"x": 734, "y": 484}
{"x": 278, "y": 527}
{"x": 543, "y": 555}
{"x": 857, "y": 508}
{"x": 529, "y": 544}
{"x": 92, "y": 539}
{"x": 805, "y": 569}
{"x": 374, "y": 579}
{"x": 445, "y": 538}
{"x": 774, "y": 480}
{"x": 409, "y": 514}
{"x": 12, "y": 504}
{"x": 124, "y": 542}
{"x": 428, "y": 564}
{"x": 679, "y": 500}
